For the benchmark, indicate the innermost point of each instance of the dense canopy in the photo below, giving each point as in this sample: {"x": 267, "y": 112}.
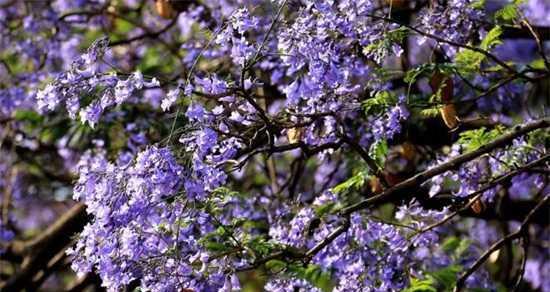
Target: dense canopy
{"x": 283, "y": 145}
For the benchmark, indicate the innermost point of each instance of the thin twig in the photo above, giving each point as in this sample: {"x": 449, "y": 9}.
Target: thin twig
{"x": 496, "y": 246}
{"x": 419, "y": 178}
{"x": 477, "y": 194}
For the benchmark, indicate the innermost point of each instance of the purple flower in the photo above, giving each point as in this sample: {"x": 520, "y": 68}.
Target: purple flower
{"x": 170, "y": 99}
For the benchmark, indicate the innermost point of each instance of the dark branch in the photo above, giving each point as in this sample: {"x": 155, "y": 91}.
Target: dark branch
{"x": 44, "y": 247}
{"x": 520, "y": 232}
{"x": 397, "y": 191}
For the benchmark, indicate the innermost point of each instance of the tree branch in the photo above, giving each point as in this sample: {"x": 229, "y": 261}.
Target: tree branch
{"x": 39, "y": 251}
{"x": 523, "y": 228}
{"x": 397, "y": 191}
{"x": 477, "y": 194}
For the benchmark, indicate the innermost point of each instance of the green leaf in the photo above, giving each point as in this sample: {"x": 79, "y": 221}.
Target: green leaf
{"x": 417, "y": 285}
{"x": 327, "y": 208}
{"x": 462, "y": 247}
{"x": 539, "y": 137}
{"x": 52, "y": 134}
{"x": 450, "y": 244}
{"x": 123, "y": 26}
{"x": 508, "y": 13}
{"x": 378, "y": 103}
{"x": 478, "y": 4}
{"x": 469, "y": 61}
{"x": 216, "y": 246}
{"x": 28, "y": 116}
{"x": 412, "y": 75}
{"x": 378, "y": 151}
{"x": 492, "y": 38}
{"x": 275, "y": 265}
{"x": 261, "y": 246}
{"x": 380, "y": 49}
{"x": 430, "y": 112}
{"x": 150, "y": 61}
{"x": 473, "y": 139}
{"x": 446, "y": 277}
{"x": 354, "y": 182}
{"x": 314, "y": 275}
{"x": 537, "y": 64}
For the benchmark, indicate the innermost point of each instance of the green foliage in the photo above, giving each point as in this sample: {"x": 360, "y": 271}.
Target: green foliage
{"x": 430, "y": 112}
{"x": 378, "y": 103}
{"x": 311, "y": 273}
{"x": 15, "y": 63}
{"x": 28, "y": 116}
{"x": 122, "y": 26}
{"x": 478, "y": 4}
{"x": 455, "y": 246}
{"x": 539, "y": 137}
{"x": 538, "y": 64}
{"x": 353, "y": 183}
{"x": 445, "y": 278}
{"x": 469, "y": 61}
{"x": 492, "y": 38}
{"x": 417, "y": 285}
{"x": 474, "y": 139}
{"x": 260, "y": 246}
{"x": 378, "y": 151}
{"x": 156, "y": 60}
{"x": 450, "y": 244}
{"x": 441, "y": 280}
{"x": 508, "y": 13}
{"x": 51, "y": 134}
{"x": 462, "y": 247}
{"x": 151, "y": 61}
{"x": 436, "y": 96}
{"x": 275, "y": 266}
{"x": 414, "y": 74}
{"x": 225, "y": 193}
{"x": 326, "y": 209}
{"x": 314, "y": 275}
{"x": 381, "y": 47}
{"x": 215, "y": 246}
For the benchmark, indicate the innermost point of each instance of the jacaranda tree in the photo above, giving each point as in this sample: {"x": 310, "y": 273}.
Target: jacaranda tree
{"x": 284, "y": 145}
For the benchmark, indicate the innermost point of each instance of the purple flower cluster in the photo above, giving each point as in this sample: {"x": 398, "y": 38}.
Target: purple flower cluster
{"x": 85, "y": 78}
{"x": 271, "y": 94}
{"x": 143, "y": 227}
{"x": 456, "y": 22}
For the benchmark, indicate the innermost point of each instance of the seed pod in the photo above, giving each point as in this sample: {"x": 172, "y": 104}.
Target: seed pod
{"x": 444, "y": 85}
{"x": 375, "y": 185}
{"x": 294, "y": 135}
{"x": 440, "y": 81}
{"x": 408, "y": 151}
{"x": 494, "y": 256}
{"x": 448, "y": 114}
{"x": 164, "y": 8}
{"x": 478, "y": 206}
{"x": 111, "y": 17}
